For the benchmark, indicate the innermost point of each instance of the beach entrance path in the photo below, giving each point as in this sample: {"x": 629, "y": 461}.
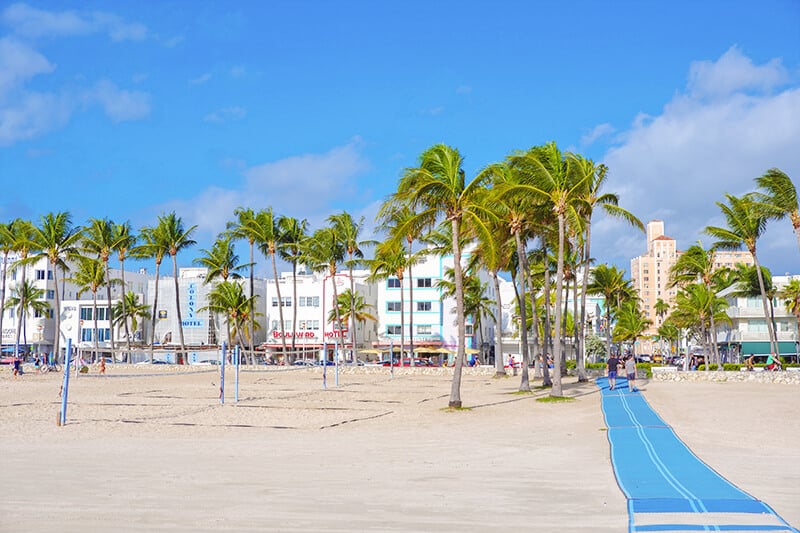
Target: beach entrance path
{"x": 668, "y": 488}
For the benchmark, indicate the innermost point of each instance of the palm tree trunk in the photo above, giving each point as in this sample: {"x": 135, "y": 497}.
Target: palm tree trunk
{"x": 155, "y": 315}
{"x": 713, "y": 335}
{"x": 96, "y": 330}
{"x": 455, "y": 390}
{"x": 498, "y": 328}
{"x": 280, "y": 309}
{"x": 547, "y": 330}
{"x": 182, "y": 355}
{"x": 294, "y": 314}
{"x": 352, "y": 314}
{"x": 3, "y": 296}
{"x": 252, "y": 308}
{"x": 57, "y": 333}
{"x": 557, "y": 390}
{"x": 524, "y": 385}
{"x": 125, "y": 309}
{"x": 339, "y": 334}
{"x": 772, "y": 339}
{"x": 576, "y": 337}
{"x": 110, "y": 317}
{"x": 22, "y": 307}
{"x": 410, "y": 308}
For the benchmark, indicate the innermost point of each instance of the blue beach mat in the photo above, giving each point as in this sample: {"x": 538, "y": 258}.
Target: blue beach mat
{"x": 669, "y": 489}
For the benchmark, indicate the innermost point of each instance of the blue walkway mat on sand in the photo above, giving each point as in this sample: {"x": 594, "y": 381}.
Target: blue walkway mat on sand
{"x": 668, "y": 488}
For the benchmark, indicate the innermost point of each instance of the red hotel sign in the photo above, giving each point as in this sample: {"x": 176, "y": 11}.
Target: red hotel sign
{"x": 276, "y": 334}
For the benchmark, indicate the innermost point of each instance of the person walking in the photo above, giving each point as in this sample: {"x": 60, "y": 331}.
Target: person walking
{"x": 630, "y": 373}
{"x": 613, "y": 363}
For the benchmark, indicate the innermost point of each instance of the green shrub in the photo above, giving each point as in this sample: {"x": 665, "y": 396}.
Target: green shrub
{"x": 731, "y": 367}
{"x": 595, "y": 366}
{"x": 571, "y": 364}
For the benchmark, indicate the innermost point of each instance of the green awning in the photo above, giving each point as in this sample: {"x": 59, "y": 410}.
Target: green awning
{"x": 762, "y": 348}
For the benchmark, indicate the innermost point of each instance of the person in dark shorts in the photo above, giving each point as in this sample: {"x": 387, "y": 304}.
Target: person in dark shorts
{"x": 613, "y": 363}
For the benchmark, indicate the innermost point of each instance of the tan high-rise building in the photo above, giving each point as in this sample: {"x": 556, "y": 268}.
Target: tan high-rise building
{"x": 650, "y": 273}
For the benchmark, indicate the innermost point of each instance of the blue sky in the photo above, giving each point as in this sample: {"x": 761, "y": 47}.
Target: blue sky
{"x": 128, "y": 110}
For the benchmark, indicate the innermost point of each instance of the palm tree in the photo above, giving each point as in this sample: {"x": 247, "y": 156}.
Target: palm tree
{"x": 24, "y": 243}
{"x": 91, "y": 276}
{"x": 746, "y": 285}
{"x": 360, "y": 309}
{"x": 347, "y": 230}
{"x": 438, "y": 188}
{"x": 57, "y": 240}
{"x": 129, "y": 310}
{"x": 25, "y": 298}
{"x": 222, "y": 262}
{"x": 791, "y": 295}
{"x": 590, "y": 198}
{"x": 292, "y": 234}
{"x": 268, "y": 237}
{"x": 631, "y": 323}
{"x": 391, "y": 260}
{"x": 151, "y": 247}
{"x": 228, "y": 298}
{"x": 6, "y": 247}
{"x": 98, "y": 239}
{"x": 779, "y": 195}
{"x": 476, "y": 305}
{"x": 745, "y": 224}
{"x": 610, "y": 282}
{"x": 245, "y": 227}
{"x": 662, "y": 309}
{"x": 171, "y": 233}
{"x": 695, "y": 305}
{"x": 558, "y": 179}
{"x": 323, "y": 252}
{"x": 123, "y": 241}
{"x": 668, "y": 330}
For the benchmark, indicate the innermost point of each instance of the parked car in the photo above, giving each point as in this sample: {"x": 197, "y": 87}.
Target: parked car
{"x": 406, "y": 362}
{"x": 304, "y": 362}
{"x": 644, "y": 358}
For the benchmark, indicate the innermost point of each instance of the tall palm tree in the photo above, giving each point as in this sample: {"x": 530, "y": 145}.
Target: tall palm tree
{"x": 391, "y": 260}
{"x": 268, "y": 240}
{"x": 245, "y": 227}
{"x": 222, "y": 262}
{"x": 360, "y": 309}
{"x": 695, "y": 304}
{"x": 324, "y": 252}
{"x": 57, "y": 240}
{"x": 90, "y": 275}
{"x": 123, "y": 241}
{"x": 130, "y": 310}
{"x": 590, "y": 198}
{"x": 151, "y": 247}
{"x": 438, "y": 188}
{"x": 172, "y": 234}
{"x": 779, "y": 195}
{"x": 746, "y": 284}
{"x": 98, "y": 239}
{"x": 292, "y": 234}
{"x": 25, "y": 298}
{"x": 557, "y": 178}
{"x": 228, "y": 298}
{"x": 347, "y": 230}
{"x": 746, "y": 222}
{"x": 610, "y": 282}
{"x": 24, "y": 243}
{"x": 6, "y": 247}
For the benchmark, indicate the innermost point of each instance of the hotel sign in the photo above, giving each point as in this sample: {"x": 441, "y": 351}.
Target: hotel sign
{"x": 192, "y": 320}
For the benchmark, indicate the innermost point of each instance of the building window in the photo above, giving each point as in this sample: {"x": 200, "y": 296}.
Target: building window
{"x": 424, "y": 330}
{"x": 50, "y": 294}
{"x": 423, "y": 306}
{"x": 86, "y": 335}
{"x": 424, "y": 283}
{"x": 286, "y": 301}
{"x": 393, "y": 283}
{"x": 102, "y": 313}
{"x": 307, "y": 301}
{"x": 37, "y": 314}
{"x": 274, "y": 302}
{"x": 468, "y": 329}
{"x": 393, "y": 307}
{"x": 393, "y": 330}
{"x": 39, "y": 275}
{"x": 86, "y": 313}
{"x": 49, "y": 274}
{"x": 312, "y": 324}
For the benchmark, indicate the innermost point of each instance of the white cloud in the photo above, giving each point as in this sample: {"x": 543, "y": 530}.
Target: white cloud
{"x": 18, "y": 64}
{"x": 304, "y": 186}
{"x": 463, "y": 89}
{"x": 433, "y": 111}
{"x": 599, "y": 131}
{"x": 200, "y": 79}
{"x": 226, "y": 114}
{"x": 31, "y": 116}
{"x": 120, "y": 105}
{"x": 30, "y": 22}
{"x": 676, "y": 165}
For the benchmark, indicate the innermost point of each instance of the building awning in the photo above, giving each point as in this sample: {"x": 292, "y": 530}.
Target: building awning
{"x": 762, "y": 348}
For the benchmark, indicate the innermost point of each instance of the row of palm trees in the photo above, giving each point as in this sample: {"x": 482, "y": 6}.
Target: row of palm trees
{"x": 541, "y": 198}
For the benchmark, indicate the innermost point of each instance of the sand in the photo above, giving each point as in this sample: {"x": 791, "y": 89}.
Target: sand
{"x": 151, "y": 448}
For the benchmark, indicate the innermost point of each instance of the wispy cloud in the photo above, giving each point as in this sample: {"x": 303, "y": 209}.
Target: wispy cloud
{"x": 463, "y": 89}
{"x": 30, "y": 22}
{"x": 226, "y": 114}
{"x": 203, "y": 78}
{"x": 19, "y": 63}
{"x": 120, "y": 105}
{"x": 599, "y": 131}
{"x": 305, "y": 186}
{"x": 731, "y": 124}
{"x": 433, "y": 111}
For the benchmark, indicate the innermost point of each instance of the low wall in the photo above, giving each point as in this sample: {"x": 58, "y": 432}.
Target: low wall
{"x": 673, "y": 374}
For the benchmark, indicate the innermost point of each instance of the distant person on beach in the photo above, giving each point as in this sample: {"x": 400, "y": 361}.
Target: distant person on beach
{"x": 102, "y": 365}
{"x": 773, "y": 363}
{"x": 613, "y": 363}
{"x": 750, "y": 363}
{"x": 630, "y": 373}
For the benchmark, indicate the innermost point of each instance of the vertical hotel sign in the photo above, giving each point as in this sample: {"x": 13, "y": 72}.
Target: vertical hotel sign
{"x": 191, "y": 320}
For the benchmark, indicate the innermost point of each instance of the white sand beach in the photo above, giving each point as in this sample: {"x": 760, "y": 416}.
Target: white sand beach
{"x": 151, "y": 448}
